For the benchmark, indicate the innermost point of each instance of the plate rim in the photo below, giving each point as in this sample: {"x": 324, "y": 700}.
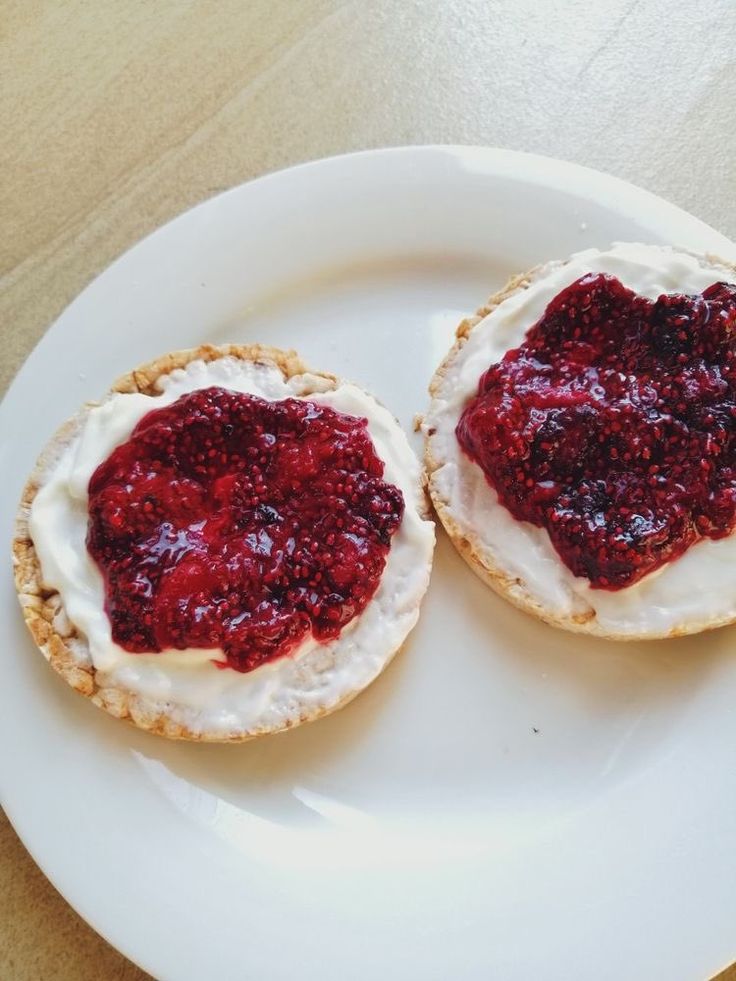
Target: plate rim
{"x": 521, "y": 162}
{"x": 493, "y": 161}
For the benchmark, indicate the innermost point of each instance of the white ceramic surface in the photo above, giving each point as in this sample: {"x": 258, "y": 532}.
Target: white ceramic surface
{"x": 506, "y": 801}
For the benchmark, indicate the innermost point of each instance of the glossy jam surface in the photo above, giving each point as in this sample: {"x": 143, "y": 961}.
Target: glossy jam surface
{"x": 613, "y": 426}
{"x": 234, "y": 522}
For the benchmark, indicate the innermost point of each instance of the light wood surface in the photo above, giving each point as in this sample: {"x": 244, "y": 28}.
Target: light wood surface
{"x": 117, "y": 114}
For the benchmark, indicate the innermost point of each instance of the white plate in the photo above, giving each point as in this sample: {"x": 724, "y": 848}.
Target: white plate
{"x": 507, "y": 800}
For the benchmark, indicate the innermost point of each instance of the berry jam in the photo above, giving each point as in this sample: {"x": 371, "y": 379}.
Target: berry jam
{"x": 233, "y": 522}
{"x": 613, "y": 426}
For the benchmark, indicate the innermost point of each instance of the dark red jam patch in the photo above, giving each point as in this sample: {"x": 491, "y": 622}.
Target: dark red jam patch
{"x": 613, "y": 425}
{"x": 233, "y": 522}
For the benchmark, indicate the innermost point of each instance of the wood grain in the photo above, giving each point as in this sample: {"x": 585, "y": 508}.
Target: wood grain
{"x": 118, "y": 114}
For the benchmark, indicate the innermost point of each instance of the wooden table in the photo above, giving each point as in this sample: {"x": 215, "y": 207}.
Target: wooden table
{"x": 118, "y": 114}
